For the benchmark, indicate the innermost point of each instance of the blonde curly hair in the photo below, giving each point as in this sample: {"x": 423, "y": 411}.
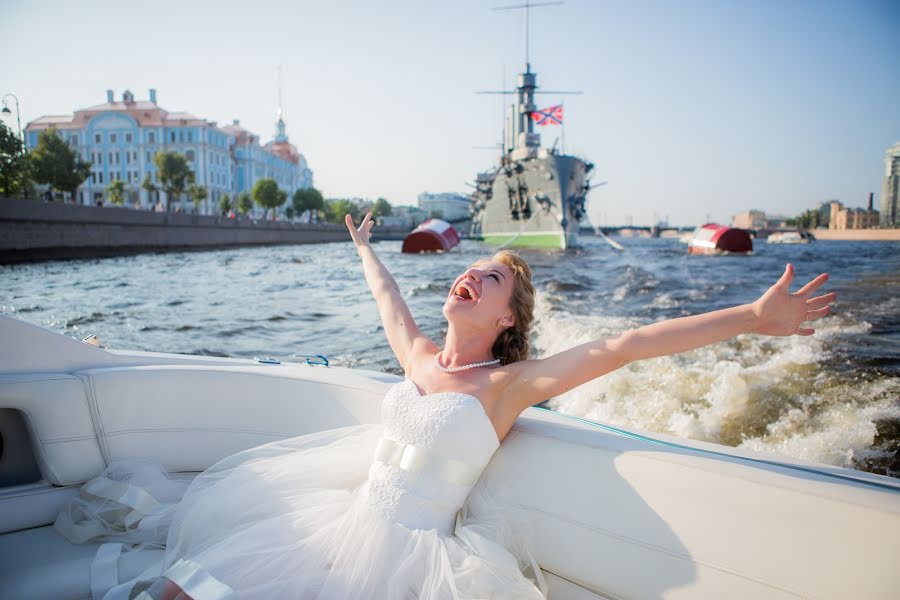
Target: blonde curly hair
{"x": 512, "y": 343}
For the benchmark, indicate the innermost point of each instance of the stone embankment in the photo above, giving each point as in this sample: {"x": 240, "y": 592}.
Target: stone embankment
{"x": 31, "y": 230}
{"x": 875, "y": 235}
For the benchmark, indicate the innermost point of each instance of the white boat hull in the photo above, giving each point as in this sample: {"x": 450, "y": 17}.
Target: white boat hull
{"x": 616, "y": 513}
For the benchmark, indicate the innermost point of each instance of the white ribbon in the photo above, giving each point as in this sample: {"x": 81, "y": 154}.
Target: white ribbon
{"x": 416, "y": 459}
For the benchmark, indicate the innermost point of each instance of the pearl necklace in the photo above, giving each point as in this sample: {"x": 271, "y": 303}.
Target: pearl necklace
{"x": 464, "y": 367}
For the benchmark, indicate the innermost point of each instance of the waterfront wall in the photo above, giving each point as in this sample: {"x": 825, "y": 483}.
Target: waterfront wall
{"x": 32, "y": 230}
{"x": 875, "y": 235}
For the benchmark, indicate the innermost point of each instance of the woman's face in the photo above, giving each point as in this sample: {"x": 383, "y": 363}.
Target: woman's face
{"x": 480, "y": 296}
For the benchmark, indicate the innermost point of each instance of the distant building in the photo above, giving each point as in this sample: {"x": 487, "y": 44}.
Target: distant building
{"x": 449, "y": 206}
{"x": 408, "y": 216}
{"x": 852, "y": 218}
{"x": 120, "y": 139}
{"x": 751, "y": 219}
{"x": 890, "y": 188}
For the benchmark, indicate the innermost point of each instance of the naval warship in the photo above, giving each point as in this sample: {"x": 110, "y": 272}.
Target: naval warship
{"x": 536, "y": 196}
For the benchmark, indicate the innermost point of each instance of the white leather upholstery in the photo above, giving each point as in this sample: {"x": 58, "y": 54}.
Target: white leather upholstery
{"x": 59, "y": 421}
{"x": 188, "y": 417}
{"x": 32, "y": 505}
{"x": 40, "y": 564}
{"x": 629, "y": 519}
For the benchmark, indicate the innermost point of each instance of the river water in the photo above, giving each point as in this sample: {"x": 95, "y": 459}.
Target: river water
{"x": 833, "y": 397}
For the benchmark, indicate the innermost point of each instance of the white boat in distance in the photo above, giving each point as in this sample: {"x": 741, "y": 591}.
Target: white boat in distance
{"x": 616, "y": 513}
{"x": 790, "y": 237}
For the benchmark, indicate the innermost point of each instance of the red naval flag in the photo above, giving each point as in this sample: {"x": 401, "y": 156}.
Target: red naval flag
{"x": 549, "y": 116}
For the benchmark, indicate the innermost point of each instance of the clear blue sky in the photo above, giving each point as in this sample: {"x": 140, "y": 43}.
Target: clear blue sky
{"x": 689, "y": 108}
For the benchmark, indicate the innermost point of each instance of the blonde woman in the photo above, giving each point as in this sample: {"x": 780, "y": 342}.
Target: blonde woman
{"x": 398, "y": 510}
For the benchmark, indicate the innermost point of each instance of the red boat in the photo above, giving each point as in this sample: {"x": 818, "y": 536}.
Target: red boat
{"x": 434, "y": 235}
{"x": 718, "y": 239}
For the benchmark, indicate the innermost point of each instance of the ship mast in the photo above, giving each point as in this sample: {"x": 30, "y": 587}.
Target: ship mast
{"x": 520, "y": 140}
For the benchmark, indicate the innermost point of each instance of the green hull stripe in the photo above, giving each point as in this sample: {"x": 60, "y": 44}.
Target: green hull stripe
{"x": 525, "y": 240}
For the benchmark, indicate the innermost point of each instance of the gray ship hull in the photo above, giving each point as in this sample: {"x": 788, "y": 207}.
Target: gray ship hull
{"x": 535, "y": 201}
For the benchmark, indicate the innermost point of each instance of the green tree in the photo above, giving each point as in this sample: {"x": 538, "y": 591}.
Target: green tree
{"x": 225, "y": 204}
{"x": 148, "y": 185}
{"x": 174, "y": 174}
{"x": 267, "y": 195}
{"x": 244, "y": 203}
{"x": 115, "y": 192}
{"x": 337, "y": 208}
{"x": 289, "y": 212}
{"x": 308, "y": 199}
{"x": 381, "y": 208}
{"x": 55, "y": 163}
{"x": 14, "y": 164}
{"x": 198, "y": 194}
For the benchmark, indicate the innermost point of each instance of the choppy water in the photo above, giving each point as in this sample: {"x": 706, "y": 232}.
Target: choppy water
{"x": 833, "y": 397}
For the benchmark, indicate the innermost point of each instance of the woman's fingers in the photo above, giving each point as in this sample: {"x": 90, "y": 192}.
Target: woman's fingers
{"x": 812, "y": 315}
{"x": 820, "y": 301}
{"x": 813, "y": 285}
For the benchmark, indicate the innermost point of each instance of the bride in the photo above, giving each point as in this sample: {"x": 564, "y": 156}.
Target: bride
{"x": 397, "y": 510}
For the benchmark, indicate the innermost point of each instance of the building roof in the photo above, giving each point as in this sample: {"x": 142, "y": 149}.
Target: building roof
{"x": 146, "y": 113}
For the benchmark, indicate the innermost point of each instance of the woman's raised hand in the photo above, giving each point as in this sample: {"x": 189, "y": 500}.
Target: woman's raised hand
{"x": 780, "y": 312}
{"x": 361, "y": 234}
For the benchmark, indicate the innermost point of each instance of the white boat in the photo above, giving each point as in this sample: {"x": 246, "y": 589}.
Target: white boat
{"x": 790, "y": 237}
{"x": 616, "y": 513}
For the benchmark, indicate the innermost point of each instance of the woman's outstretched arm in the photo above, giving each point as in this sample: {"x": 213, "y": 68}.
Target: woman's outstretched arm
{"x": 399, "y": 327}
{"x": 778, "y": 312}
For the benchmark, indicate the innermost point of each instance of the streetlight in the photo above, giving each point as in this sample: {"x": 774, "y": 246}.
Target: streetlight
{"x": 6, "y": 112}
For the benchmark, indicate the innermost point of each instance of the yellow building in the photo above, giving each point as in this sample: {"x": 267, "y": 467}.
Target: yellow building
{"x": 852, "y": 218}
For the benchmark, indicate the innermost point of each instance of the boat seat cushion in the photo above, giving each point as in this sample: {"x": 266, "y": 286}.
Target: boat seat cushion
{"x": 40, "y": 564}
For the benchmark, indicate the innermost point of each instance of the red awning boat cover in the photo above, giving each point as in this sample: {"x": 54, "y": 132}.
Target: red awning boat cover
{"x": 433, "y": 235}
{"x": 720, "y": 237}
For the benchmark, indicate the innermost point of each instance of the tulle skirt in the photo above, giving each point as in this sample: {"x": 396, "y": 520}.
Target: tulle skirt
{"x": 288, "y": 520}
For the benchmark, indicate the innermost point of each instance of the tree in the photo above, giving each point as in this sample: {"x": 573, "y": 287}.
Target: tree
{"x": 174, "y": 174}
{"x": 289, "y": 212}
{"x": 381, "y": 208}
{"x": 225, "y": 204}
{"x": 148, "y": 185}
{"x": 115, "y": 192}
{"x": 267, "y": 195}
{"x": 55, "y": 163}
{"x": 309, "y": 199}
{"x": 336, "y": 209}
{"x": 244, "y": 203}
{"x": 198, "y": 194}
{"x": 14, "y": 164}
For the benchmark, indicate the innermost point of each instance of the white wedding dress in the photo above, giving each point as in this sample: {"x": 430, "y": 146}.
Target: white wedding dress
{"x": 390, "y": 511}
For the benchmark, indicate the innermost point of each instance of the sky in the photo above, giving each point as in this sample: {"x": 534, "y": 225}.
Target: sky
{"x": 692, "y": 110}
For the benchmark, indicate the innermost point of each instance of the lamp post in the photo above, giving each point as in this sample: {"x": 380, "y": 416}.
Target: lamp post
{"x": 6, "y": 111}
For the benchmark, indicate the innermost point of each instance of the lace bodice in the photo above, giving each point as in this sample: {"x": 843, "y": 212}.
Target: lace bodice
{"x": 436, "y": 446}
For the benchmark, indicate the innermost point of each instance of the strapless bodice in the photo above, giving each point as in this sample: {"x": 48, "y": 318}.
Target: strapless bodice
{"x": 433, "y": 449}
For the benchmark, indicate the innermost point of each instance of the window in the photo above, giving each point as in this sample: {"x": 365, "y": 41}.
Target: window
{"x": 189, "y": 136}
{"x": 112, "y": 138}
{"x": 189, "y": 155}
{"x": 173, "y": 136}
{"x": 99, "y": 158}
{"x": 97, "y": 138}
{"x": 73, "y": 140}
{"x": 100, "y": 177}
{"x": 128, "y": 158}
{"x": 127, "y": 138}
{"x": 148, "y": 156}
{"x": 93, "y": 178}
{"x": 151, "y": 137}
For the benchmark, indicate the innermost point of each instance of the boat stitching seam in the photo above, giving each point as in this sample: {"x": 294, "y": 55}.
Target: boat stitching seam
{"x": 586, "y": 586}
{"x": 94, "y": 410}
{"x": 652, "y": 546}
{"x": 190, "y": 429}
